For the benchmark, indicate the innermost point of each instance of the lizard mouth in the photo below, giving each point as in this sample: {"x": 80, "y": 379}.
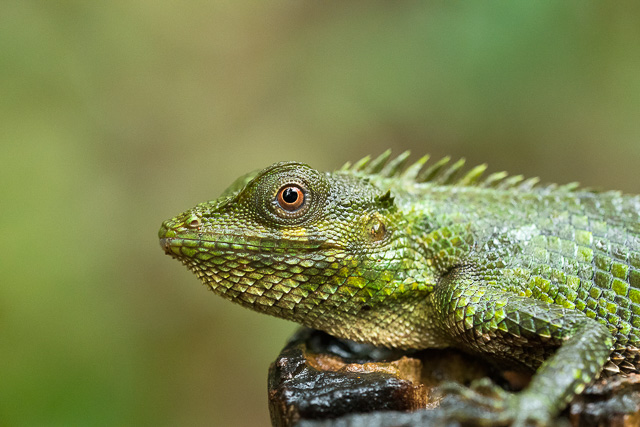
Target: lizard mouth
{"x": 172, "y": 246}
{"x": 229, "y": 241}
{"x": 165, "y": 244}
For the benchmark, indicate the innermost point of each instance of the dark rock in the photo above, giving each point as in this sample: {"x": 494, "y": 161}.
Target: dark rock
{"x": 611, "y": 402}
{"x": 319, "y": 377}
{"x": 321, "y": 381}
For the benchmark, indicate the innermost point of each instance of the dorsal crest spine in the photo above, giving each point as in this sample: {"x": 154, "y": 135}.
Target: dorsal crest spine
{"x": 442, "y": 172}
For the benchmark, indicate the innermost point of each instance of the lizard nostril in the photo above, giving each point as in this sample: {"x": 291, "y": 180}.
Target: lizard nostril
{"x": 193, "y": 222}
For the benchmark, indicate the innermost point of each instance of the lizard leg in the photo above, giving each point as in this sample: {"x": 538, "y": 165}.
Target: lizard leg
{"x": 576, "y": 363}
{"x": 565, "y": 347}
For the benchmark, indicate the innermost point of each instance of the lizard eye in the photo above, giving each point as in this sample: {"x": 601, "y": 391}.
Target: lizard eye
{"x": 288, "y": 194}
{"x": 290, "y": 198}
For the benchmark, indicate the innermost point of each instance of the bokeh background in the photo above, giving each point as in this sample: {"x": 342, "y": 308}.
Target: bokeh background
{"x": 117, "y": 115}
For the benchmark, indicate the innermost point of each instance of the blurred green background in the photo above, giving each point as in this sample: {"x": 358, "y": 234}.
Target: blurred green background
{"x": 117, "y": 115}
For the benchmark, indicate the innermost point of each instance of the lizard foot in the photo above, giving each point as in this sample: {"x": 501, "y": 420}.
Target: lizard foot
{"x": 486, "y": 404}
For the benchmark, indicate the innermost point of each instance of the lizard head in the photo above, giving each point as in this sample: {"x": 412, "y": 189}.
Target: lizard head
{"x": 323, "y": 249}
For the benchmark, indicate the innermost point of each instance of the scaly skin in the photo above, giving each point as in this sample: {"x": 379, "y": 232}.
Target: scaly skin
{"x": 543, "y": 278}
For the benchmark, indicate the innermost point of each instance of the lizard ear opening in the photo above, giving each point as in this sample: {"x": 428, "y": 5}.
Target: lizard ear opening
{"x": 376, "y": 229}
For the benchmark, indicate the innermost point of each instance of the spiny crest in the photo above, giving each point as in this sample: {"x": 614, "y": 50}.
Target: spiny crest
{"x": 385, "y": 200}
{"x": 442, "y": 172}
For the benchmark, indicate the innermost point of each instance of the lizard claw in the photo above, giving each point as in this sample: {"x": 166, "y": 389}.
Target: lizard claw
{"x": 481, "y": 392}
{"x": 486, "y": 404}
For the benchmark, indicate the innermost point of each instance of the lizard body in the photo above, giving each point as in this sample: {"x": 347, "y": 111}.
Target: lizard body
{"x": 534, "y": 277}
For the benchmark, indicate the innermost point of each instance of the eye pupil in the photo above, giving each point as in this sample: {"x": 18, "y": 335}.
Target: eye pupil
{"x": 290, "y": 195}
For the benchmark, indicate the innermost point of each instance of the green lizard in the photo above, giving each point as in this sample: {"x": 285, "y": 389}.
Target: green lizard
{"x": 529, "y": 276}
